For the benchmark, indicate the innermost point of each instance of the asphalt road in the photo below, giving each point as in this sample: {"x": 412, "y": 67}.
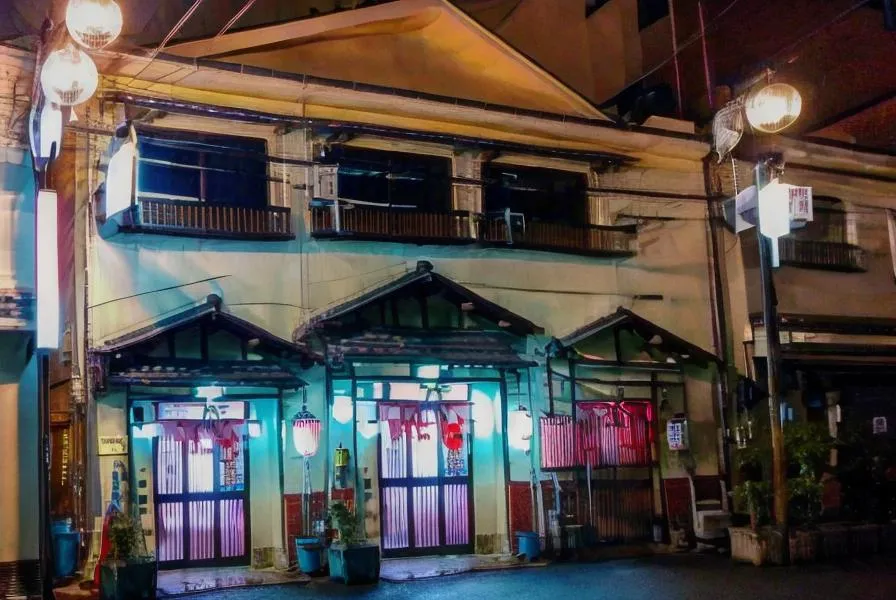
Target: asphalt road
{"x": 676, "y": 577}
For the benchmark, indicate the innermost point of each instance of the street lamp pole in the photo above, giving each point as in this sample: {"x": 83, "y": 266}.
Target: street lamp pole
{"x": 762, "y": 176}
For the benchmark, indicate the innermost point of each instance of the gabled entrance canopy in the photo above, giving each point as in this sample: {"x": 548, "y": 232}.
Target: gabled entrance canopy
{"x": 203, "y": 346}
{"x": 428, "y": 46}
{"x": 421, "y": 316}
{"x": 649, "y": 338}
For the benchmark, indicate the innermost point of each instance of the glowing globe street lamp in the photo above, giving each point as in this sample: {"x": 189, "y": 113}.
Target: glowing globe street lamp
{"x": 773, "y": 108}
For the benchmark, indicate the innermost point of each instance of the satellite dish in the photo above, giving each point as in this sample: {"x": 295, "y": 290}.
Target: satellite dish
{"x": 728, "y": 128}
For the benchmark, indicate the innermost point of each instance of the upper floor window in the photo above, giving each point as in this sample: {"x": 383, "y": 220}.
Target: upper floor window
{"x": 190, "y": 184}
{"x": 826, "y": 242}
{"x": 538, "y": 194}
{"x": 828, "y": 222}
{"x": 400, "y": 179}
{"x": 214, "y": 169}
{"x": 651, "y": 11}
{"x": 591, "y": 6}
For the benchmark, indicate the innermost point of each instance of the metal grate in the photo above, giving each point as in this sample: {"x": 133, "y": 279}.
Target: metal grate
{"x": 20, "y": 579}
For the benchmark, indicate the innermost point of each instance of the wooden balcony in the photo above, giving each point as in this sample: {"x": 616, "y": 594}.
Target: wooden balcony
{"x": 391, "y": 224}
{"x": 187, "y": 218}
{"x": 823, "y": 255}
{"x": 590, "y": 240}
{"x": 461, "y": 227}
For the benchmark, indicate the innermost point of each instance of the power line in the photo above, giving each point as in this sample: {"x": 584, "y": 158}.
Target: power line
{"x": 164, "y": 289}
{"x": 690, "y": 41}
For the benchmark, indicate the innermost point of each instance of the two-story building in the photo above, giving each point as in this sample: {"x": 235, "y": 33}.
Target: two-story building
{"x": 337, "y": 244}
{"x": 387, "y": 232}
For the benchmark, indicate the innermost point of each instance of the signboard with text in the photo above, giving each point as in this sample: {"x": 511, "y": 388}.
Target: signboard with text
{"x": 112, "y": 445}
{"x": 197, "y": 411}
{"x": 800, "y": 203}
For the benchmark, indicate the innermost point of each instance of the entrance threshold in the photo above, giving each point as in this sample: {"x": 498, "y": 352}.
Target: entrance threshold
{"x": 182, "y": 582}
{"x": 427, "y": 567}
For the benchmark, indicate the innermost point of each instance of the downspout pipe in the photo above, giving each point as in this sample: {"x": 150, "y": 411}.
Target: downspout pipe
{"x": 721, "y": 340}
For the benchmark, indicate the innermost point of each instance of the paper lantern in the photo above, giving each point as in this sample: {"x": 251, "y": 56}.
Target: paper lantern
{"x": 306, "y": 433}
{"x": 453, "y": 436}
{"x": 342, "y": 409}
{"x": 47, "y": 271}
{"x": 68, "y": 76}
{"x": 519, "y": 429}
{"x": 93, "y": 23}
{"x": 774, "y": 107}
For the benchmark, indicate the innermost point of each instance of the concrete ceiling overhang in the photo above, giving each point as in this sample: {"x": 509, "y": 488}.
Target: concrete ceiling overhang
{"x": 428, "y": 46}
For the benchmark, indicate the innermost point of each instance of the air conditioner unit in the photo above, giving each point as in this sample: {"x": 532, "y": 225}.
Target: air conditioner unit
{"x": 326, "y": 181}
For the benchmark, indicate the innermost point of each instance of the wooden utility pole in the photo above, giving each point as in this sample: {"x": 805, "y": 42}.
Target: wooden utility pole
{"x": 773, "y": 340}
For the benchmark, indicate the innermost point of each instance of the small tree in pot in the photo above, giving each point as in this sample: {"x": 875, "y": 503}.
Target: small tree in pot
{"x": 808, "y": 447}
{"x": 755, "y": 497}
{"x": 129, "y": 572}
{"x": 352, "y": 559}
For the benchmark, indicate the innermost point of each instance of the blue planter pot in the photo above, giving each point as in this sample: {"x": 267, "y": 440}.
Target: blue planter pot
{"x": 310, "y": 558}
{"x": 354, "y": 565}
{"x": 529, "y": 544}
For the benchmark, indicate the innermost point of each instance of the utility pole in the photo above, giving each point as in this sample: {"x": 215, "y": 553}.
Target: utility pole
{"x": 762, "y": 175}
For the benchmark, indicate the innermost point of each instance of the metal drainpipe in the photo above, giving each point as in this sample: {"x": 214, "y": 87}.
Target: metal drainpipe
{"x": 719, "y": 322}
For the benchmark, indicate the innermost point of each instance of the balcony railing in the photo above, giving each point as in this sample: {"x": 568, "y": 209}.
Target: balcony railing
{"x": 823, "y": 255}
{"x": 596, "y": 240}
{"x": 390, "y": 224}
{"x": 184, "y": 217}
{"x": 352, "y": 221}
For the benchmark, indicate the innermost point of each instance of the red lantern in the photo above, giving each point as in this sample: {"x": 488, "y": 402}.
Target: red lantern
{"x": 453, "y": 436}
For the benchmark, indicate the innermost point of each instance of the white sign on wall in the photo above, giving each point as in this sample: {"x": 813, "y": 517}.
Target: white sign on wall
{"x": 112, "y": 445}
{"x": 677, "y": 434}
{"x": 879, "y": 425}
{"x": 800, "y": 203}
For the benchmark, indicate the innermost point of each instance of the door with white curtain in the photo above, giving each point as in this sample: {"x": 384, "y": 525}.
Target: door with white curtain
{"x": 201, "y": 500}
{"x": 425, "y": 473}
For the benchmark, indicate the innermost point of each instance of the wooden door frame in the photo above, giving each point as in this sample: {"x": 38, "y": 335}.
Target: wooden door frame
{"x": 216, "y": 498}
{"x": 439, "y": 481}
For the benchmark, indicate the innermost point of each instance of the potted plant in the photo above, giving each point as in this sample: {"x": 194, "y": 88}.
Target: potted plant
{"x": 751, "y": 544}
{"x": 352, "y": 560}
{"x": 129, "y": 572}
{"x": 808, "y": 447}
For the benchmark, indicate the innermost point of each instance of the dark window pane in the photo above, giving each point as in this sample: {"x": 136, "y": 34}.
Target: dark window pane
{"x": 393, "y": 178}
{"x": 651, "y": 11}
{"x": 592, "y": 6}
{"x": 540, "y": 194}
{"x": 174, "y": 163}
